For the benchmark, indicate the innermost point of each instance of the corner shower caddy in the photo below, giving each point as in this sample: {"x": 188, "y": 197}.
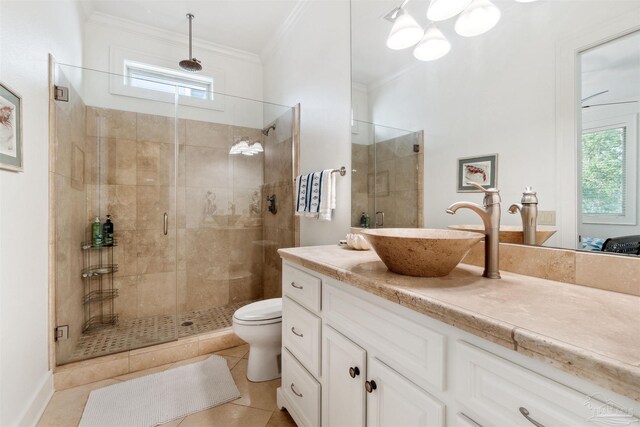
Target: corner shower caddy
{"x": 99, "y": 291}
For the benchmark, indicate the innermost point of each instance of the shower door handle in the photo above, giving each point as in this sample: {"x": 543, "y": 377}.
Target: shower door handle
{"x": 166, "y": 223}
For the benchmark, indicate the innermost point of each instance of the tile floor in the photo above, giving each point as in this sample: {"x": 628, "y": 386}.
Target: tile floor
{"x": 136, "y": 333}
{"x": 256, "y": 406}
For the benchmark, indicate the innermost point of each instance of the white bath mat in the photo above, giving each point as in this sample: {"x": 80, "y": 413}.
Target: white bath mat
{"x": 159, "y": 398}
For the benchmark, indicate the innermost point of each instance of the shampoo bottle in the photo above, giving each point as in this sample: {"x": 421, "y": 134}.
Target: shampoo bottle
{"x": 96, "y": 232}
{"x": 107, "y": 231}
{"x": 363, "y": 221}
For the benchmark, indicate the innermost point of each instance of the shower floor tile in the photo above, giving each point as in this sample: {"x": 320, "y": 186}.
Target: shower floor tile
{"x": 135, "y": 333}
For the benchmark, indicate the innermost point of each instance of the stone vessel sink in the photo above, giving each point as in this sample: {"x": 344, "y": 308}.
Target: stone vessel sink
{"x": 511, "y": 233}
{"x": 421, "y": 252}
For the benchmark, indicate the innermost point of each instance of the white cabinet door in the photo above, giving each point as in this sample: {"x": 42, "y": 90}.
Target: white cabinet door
{"x": 394, "y": 401}
{"x": 344, "y": 370}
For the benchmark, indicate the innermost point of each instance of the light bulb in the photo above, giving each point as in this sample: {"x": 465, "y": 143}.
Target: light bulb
{"x": 478, "y": 18}
{"x": 405, "y": 32}
{"x": 433, "y": 45}
{"x": 439, "y": 10}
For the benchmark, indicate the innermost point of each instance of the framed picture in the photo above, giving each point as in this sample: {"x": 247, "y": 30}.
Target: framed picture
{"x": 480, "y": 169}
{"x": 10, "y": 130}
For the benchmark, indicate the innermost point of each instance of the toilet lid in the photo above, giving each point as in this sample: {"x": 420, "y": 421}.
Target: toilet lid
{"x": 260, "y": 310}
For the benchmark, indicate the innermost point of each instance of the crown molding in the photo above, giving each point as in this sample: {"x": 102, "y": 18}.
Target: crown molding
{"x": 284, "y": 28}
{"x": 86, "y": 9}
{"x": 360, "y": 87}
{"x": 170, "y": 37}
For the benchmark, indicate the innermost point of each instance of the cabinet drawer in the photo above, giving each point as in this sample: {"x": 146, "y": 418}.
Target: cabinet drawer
{"x": 302, "y": 287}
{"x": 503, "y": 393}
{"x": 415, "y": 351}
{"x": 302, "y": 391}
{"x": 301, "y": 334}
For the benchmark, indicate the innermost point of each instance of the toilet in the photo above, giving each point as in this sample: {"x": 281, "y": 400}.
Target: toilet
{"x": 260, "y": 325}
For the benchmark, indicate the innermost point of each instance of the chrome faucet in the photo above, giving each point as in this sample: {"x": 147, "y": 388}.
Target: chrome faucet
{"x": 490, "y": 214}
{"x": 528, "y": 208}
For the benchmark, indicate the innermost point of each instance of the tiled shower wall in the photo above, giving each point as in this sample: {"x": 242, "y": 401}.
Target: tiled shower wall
{"x": 397, "y": 184}
{"x": 217, "y": 243}
{"x": 361, "y": 161}
{"x": 67, "y": 213}
{"x": 279, "y": 228}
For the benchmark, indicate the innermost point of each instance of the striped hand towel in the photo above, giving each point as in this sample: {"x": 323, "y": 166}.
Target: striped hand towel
{"x": 315, "y": 195}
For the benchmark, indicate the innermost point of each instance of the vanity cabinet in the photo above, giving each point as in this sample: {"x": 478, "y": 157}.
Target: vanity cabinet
{"x": 396, "y": 401}
{"x": 362, "y": 391}
{"x": 343, "y": 392}
{"x": 353, "y": 359}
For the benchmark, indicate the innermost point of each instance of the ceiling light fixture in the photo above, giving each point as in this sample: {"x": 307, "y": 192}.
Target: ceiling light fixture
{"x": 245, "y": 147}
{"x": 478, "y": 18}
{"x": 434, "y": 45}
{"x": 405, "y": 32}
{"x": 440, "y": 10}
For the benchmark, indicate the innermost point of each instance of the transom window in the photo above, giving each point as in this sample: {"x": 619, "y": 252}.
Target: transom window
{"x": 145, "y": 76}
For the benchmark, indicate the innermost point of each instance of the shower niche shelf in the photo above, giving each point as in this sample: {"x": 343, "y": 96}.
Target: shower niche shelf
{"x": 95, "y": 296}
{"x": 99, "y": 321}
{"x": 99, "y": 290}
{"x": 92, "y": 245}
{"x": 97, "y": 270}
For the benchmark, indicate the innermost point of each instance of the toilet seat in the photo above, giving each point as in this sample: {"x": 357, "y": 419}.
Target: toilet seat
{"x": 263, "y": 312}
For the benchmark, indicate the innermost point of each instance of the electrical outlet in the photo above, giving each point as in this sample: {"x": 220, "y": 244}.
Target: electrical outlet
{"x": 546, "y": 217}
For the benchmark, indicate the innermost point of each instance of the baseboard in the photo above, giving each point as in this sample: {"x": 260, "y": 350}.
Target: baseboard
{"x": 39, "y": 401}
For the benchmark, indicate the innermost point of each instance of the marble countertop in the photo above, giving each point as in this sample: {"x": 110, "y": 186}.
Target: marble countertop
{"x": 592, "y": 333}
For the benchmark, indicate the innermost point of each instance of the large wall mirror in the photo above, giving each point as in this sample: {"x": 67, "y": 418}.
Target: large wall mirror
{"x": 497, "y": 107}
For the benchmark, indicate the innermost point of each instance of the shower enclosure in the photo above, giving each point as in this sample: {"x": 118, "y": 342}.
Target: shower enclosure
{"x": 387, "y": 179}
{"x": 184, "y": 174}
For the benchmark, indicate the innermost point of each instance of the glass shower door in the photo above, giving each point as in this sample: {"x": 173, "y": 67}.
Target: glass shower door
{"x": 112, "y": 158}
{"x": 227, "y": 236}
{"x": 398, "y": 178}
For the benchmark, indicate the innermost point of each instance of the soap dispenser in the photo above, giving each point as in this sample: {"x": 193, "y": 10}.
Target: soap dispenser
{"x": 528, "y": 208}
{"x": 96, "y": 232}
{"x": 107, "y": 231}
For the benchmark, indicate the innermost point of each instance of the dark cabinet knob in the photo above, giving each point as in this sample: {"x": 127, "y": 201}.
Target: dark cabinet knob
{"x": 354, "y": 372}
{"x": 370, "y": 386}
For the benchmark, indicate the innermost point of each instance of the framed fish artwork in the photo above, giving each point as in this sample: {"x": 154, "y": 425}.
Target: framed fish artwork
{"x": 10, "y": 130}
{"x": 479, "y": 169}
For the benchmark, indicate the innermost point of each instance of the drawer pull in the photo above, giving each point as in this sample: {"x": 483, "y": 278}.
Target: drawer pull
{"x": 295, "y": 392}
{"x": 370, "y": 386}
{"x": 296, "y": 286}
{"x": 354, "y": 372}
{"x": 295, "y": 333}
{"x": 525, "y": 413}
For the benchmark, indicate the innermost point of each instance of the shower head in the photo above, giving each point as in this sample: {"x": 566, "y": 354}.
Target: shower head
{"x": 191, "y": 64}
{"x": 266, "y": 130}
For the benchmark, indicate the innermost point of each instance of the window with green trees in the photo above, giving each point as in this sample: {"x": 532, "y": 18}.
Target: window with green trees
{"x": 604, "y": 172}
